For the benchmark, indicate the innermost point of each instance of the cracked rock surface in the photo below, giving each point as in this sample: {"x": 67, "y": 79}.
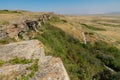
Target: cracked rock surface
{"x": 49, "y": 68}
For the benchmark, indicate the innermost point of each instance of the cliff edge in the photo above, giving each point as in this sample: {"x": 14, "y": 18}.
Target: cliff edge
{"x": 26, "y": 60}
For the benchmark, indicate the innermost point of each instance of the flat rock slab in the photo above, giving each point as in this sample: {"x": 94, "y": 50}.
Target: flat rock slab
{"x": 26, "y": 49}
{"x": 49, "y": 68}
{"x": 52, "y": 68}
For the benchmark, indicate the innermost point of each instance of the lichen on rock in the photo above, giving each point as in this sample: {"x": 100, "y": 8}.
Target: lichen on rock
{"x": 49, "y": 68}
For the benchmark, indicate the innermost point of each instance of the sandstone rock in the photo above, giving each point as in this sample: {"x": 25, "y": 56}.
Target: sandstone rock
{"x": 52, "y": 69}
{"x": 25, "y": 49}
{"x": 49, "y": 68}
{"x": 23, "y": 26}
{"x": 3, "y": 34}
{"x": 11, "y": 71}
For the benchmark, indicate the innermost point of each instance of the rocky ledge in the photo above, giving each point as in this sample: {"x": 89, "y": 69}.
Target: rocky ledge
{"x": 26, "y": 60}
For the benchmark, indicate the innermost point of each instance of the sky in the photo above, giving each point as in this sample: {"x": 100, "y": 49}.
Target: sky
{"x": 63, "y": 6}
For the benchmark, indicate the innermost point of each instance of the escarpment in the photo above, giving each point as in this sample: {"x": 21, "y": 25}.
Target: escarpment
{"x": 26, "y": 60}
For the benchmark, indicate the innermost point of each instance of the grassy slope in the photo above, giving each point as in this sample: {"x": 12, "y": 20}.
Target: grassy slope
{"x": 81, "y": 61}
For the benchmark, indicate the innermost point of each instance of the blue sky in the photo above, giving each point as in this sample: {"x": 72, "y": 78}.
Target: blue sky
{"x": 63, "y": 6}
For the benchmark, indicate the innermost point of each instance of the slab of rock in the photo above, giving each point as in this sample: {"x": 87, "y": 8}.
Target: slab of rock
{"x": 11, "y": 71}
{"x": 49, "y": 68}
{"x": 26, "y": 49}
{"x": 52, "y": 69}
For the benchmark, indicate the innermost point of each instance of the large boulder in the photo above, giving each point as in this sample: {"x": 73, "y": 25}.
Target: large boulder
{"x": 49, "y": 68}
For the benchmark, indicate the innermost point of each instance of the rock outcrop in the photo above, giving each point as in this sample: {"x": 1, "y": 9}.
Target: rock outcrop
{"x": 49, "y": 68}
{"x": 22, "y": 28}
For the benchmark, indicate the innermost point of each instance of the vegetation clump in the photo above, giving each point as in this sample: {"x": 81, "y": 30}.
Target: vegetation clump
{"x": 7, "y": 40}
{"x": 20, "y": 61}
{"x": 8, "y": 11}
{"x": 2, "y": 63}
{"x": 92, "y": 27}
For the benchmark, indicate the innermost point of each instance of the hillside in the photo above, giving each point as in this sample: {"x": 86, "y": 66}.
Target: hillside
{"x": 88, "y": 46}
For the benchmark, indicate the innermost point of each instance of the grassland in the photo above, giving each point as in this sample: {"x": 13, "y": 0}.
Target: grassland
{"x": 62, "y": 38}
{"x": 81, "y": 61}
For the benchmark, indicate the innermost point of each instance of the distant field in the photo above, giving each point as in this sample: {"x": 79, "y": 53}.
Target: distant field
{"x": 104, "y": 27}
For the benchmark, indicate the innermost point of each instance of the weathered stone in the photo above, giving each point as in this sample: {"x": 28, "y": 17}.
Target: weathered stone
{"x": 32, "y": 25}
{"x": 11, "y": 71}
{"x": 3, "y": 34}
{"x": 25, "y": 49}
{"x": 22, "y": 26}
{"x": 52, "y": 69}
{"x": 49, "y": 68}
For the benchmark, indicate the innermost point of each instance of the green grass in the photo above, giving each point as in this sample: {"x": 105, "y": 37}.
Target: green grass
{"x": 92, "y": 27}
{"x": 81, "y": 61}
{"x": 108, "y": 54}
{"x": 8, "y": 11}
{"x": 34, "y": 66}
{"x": 2, "y": 63}
{"x": 20, "y": 61}
{"x": 4, "y": 22}
{"x": 23, "y": 77}
{"x": 17, "y": 61}
{"x": 7, "y": 40}
{"x": 109, "y": 25}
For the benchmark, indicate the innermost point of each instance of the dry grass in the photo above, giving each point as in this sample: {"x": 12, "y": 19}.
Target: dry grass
{"x": 111, "y": 24}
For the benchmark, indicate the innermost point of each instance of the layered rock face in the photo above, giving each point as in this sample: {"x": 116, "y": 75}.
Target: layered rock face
{"x": 49, "y": 68}
{"x": 20, "y": 29}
